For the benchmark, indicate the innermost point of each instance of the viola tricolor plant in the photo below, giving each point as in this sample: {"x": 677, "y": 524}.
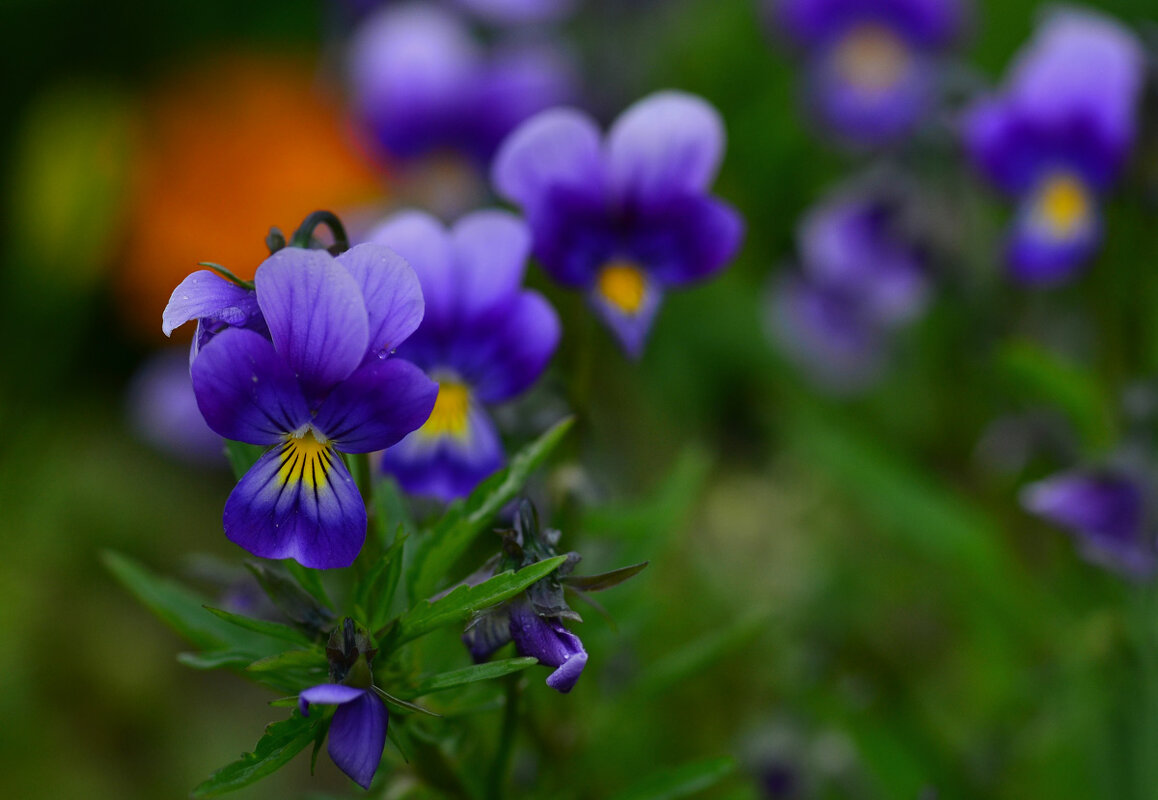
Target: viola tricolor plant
{"x": 626, "y": 219}
{"x": 484, "y": 340}
{"x": 1055, "y": 139}
{"x": 872, "y": 65}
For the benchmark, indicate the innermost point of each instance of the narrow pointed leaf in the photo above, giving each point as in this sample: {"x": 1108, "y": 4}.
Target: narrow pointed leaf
{"x": 453, "y": 534}
{"x": 604, "y": 580}
{"x": 478, "y": 672}
{"x": 275, "y": 630}
{"x": 375, "y": 592}
{"x": 684, "y": 781}
{"x": 281, "y": 742}
{"x": 290, "y": 659}
{"x": 215, "y": 659}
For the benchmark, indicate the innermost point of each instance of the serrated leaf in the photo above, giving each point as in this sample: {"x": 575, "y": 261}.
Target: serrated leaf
{"x": 275, "y": 630}
{"x": 452, "y": 535}
{"x": 684, "y": 781}
{"x": 473, "y": 674}
{"x": 215, "y": 659}
{"x": 604, "y": 580}
{"x": 459, "y": 604}
{"x": 281, "y": 742}
{"x": 290, "y": 659}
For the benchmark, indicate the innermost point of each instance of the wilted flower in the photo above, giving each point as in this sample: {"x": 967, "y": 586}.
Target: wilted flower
{"x": 1056, "y": 137}
{"x": 423, "y": 86}
{"x": 1106, "y": 510}
{"x": 358, "y": 729}
{"x": 872, "y": 64}
{"x": 625, "y": 219}
{"x": 862, "y": 278}
{"x": 484, "y": 339}
{"x": 320, "y": 385}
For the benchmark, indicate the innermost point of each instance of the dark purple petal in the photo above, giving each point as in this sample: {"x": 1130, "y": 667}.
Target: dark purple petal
{"x": 1052, "y": 238}
{"x": 490, "y": 256}
{"x": 358, "y": 736}
{"x": 559, "y": 148}
{"x": 926, "y": 23}
{"x": 316, "y": 315}
{"x": 1105, "y": 510}
{"x": 551, "y": 643}
{"x": 245, "y": 390}
{"x": 505, "y": 359}
{"x": 486, "y": 633}
{"x": 667, "y": 144}
{"x": 376, "y": 406}
{"x": 327, "y": 694}
{"x": 629, "y": 318}
{"x": 574, "y": 234}
{"x": 446, "y": 459}
{"x": 688, "y": 240}
{"x": 422, "y": 240}
{"x": 391, "y": 292}
{"x": 298, "y": 501}
{"x": 207, "y": 294}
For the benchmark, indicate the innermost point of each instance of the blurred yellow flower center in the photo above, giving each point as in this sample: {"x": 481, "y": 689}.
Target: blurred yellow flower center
{"x": 623, "y": 285}
{"x": 304, "y": 459}
{"x": 449, "y": 417}
{"x": 1063, "y": 204}
{"x": 871, "y": 57}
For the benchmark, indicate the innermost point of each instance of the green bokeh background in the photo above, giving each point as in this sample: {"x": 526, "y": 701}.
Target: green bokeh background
{"x": 841, "y": 586}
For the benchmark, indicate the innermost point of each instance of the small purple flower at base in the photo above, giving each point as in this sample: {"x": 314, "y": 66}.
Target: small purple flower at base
{"x": 547, "y": 640}
{"x": 319, "y": 386}
{"x": 358, "y": 730}
{"x": 627, "y": 217}
{"x": 1107, "y": 513}
{"x": 1056, "y": 137}
{"x": 872, "y": 64}
{"x": 484, "y": 340}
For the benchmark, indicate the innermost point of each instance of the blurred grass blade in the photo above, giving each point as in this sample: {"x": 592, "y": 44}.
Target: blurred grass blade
{"x": 444, "y": 545}
{"x": 215, "y": 659}
{"x": 479, "y": 672}
{"x": 682, "y": 781}
{"x": 291, "y": 659}
{"x": 275, "y": 630}
{"x": 281, "y": 742}
{"x": 700, "y": 654}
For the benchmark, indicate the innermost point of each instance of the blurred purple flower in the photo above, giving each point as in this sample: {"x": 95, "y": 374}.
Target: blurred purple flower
{"x": 422, "y": 85}
{"x": 628, "y": 217}
{"x": 319, "y": 386}
{"x": 862, "y": 278}
{"x": 510, "y": 12}
{"x": 872, "y": 64}
{"x": 1105, "y": 510}
{"x": 162, "y": 409}
{"x": 1056, "y": 137}
{"x": 484, "y": 340}
{"x": 358, "y": 730}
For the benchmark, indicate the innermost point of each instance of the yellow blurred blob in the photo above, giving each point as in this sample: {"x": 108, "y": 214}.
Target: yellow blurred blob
{"x": 871, "y": 57}
{"x": 451, "y": 408}
{"x": 231, "y": 147}
{"x": 1063, "y": 204}
{"x": 623, "y": 285}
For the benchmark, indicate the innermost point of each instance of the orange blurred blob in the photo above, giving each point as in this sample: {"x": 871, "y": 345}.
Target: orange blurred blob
{"x": 230, "y": 148}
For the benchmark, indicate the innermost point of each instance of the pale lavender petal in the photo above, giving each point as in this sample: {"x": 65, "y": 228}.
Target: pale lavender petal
{"x": 207, "y": 294}
{"x": 391, "y": 291}
{"x": 557, "y": 148}
{"x": 447, "y": 466}
{"x": 506, "y": 359}
{"x": 490, "y": 257}
{"x": 245, "y": 390}
{"x": 316, "y": 315}
{"x": 327, "y": 694}
{"x": 358, "y": 736}
{"x": 551, "y": 643}
{"x": 423, "y": 241}
{"x": 665, "y": 145}
{"x": 376, "y": 406}
{"x": 298, "y": 501}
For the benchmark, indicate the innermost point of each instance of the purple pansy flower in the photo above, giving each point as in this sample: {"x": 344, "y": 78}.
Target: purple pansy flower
{"x": 423, "y": 86}
{"x": 484, "y": 339}
{"x": 872, "y": 64}
{"x": 627, "y": 218}
{"x": 320, "y": 385}
{"x": 1106, "y": 510}
{"x": 1056, "y": 137}
{"x": 862, "y": 278}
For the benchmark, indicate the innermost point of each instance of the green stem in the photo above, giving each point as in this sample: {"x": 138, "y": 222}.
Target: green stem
{"x": 305, "y": 231}
{"x": 1145, "y": 749}
{"x": 498, "y": 775}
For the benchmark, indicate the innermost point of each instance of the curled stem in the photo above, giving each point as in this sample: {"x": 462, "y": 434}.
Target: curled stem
{"x": 305, "y": 231}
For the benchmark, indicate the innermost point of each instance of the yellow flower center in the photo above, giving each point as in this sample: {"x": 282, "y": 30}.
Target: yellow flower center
{"x": 305, "y": 459}
{"x": 871, "y": 57}
{"x": 1063, "y": 204}
{"x": 449, "y": 417}
{"x": 623, "y": 285}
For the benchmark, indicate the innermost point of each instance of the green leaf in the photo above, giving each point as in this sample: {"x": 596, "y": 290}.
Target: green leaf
{"x": 242, "y": 456}
{"x": 684, "y": 781}
{"x": 179, "y": 607}
{"x": 390, "y": 511}
{"x": 281, "y": 742}
{"x": 302, "y": 599}
{"x": 215, "y": 659}
{"x": 604, "y": 580}
{"x": 290, "y": 659}
{"x": 375, "y": 591}
{"x": 453, "y": 534}
{"x": 478, "y": 672}
{"x": 273, "y": 629}
{"x": 459, "y": 604}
